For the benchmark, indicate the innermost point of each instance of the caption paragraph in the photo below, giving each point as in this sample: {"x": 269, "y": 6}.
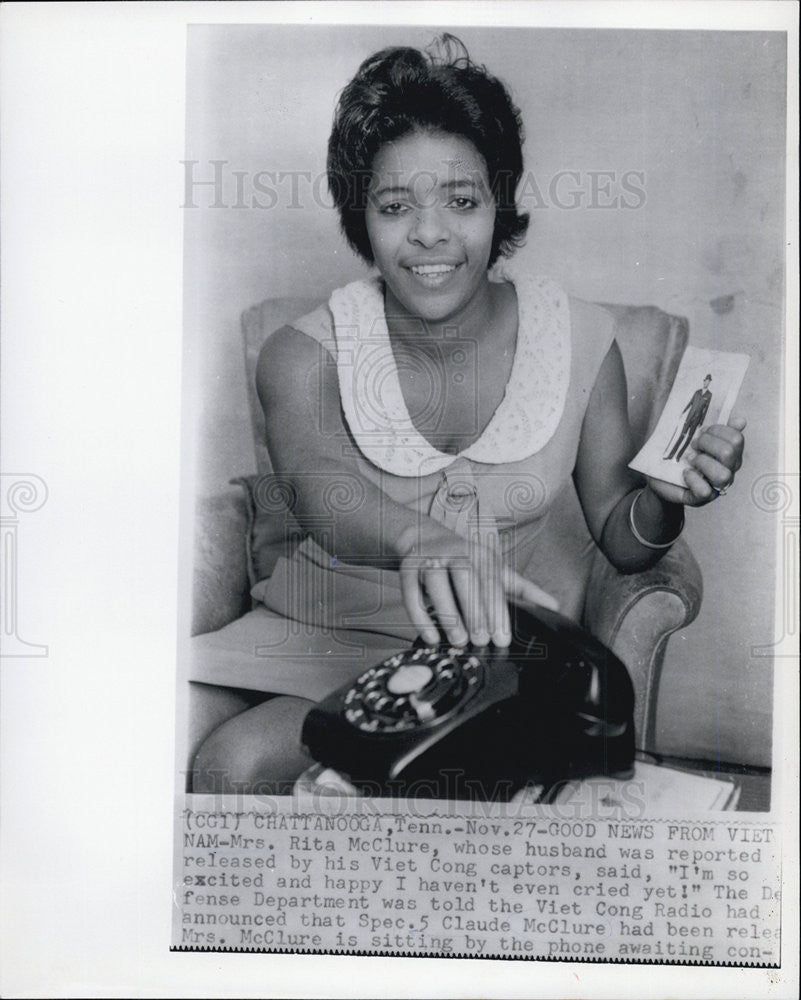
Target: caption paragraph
{"x": 540, "y": 887}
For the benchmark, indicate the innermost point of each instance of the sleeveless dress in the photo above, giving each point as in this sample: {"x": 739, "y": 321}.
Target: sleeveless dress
{"x": 319, "y": 622}
{"x": 503, "y": 487}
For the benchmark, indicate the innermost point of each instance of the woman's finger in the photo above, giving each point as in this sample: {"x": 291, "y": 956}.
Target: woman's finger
{"x": 480, "y": 587}
{"x": 497, "y": 607}
{"x": 521, "y": 589}
{"x": 700, "y": 490}
{"x": 727, "y": 431}
{"x": 467, "y": 585}
{"x": 723, "y": 443}
{"x": 437, "y": 583}
{"x": 670, "y": 492}
{"x": 738, "y": 423}
{"x": 718, "y": 475}
{"x": 412, "y": 592}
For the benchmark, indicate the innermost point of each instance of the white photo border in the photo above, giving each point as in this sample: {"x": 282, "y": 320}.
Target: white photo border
{"x": 92, "y": 131}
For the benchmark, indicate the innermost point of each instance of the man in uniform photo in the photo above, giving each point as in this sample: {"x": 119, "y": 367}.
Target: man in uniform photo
{"x": 697, "y": 407}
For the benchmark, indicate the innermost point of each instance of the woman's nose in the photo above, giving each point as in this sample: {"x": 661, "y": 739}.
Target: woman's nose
{"x": 429, "y": 227}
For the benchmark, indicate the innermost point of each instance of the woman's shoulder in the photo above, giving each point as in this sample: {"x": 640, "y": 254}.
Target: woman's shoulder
{"x": 587, "y": 327}
{"x": 291, "y": 353}
{"x": 592, "y": 326}
{"x": 317, "y": 324}
{"x": 342, "y": 305}
{"x": 592, "y": 335}
{"x": 587, "y": 319}
{"x": 311, "y": 338}
{"x": 299, "y": 337}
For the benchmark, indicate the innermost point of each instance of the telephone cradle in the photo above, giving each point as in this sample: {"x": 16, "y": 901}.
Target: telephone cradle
{"x": 481, "y": 723}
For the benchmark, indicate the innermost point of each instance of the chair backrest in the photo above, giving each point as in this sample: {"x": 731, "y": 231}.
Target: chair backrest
{"x": 651, "y": 342}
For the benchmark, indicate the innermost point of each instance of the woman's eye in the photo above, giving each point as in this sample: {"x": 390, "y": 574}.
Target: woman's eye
{"x": 394, "y": 208}
{"x": 462, "y": 204}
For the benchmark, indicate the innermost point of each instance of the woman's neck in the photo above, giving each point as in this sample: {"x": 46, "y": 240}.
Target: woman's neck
{"x": 474, "y": 321}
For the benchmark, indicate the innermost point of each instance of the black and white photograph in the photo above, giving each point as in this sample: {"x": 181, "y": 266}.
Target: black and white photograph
{"x": 414, "y": 448}
{"x": 442, "y": 288}
{"x": 400, "y": 499}
{"x": 690, "y": 407}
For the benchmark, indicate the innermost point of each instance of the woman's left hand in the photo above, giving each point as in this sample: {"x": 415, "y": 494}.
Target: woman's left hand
{"x": 719, "y": 454}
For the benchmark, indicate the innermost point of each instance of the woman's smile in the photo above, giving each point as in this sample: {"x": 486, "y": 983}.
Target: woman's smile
{"x": 433, "y": 275}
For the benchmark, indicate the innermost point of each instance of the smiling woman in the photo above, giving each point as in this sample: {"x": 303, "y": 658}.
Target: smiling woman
{"x": 400, "y": 91}
{"x": 431, "y": 224}
{"x": 451, "y": 518}
{"x": 431, "y": 221}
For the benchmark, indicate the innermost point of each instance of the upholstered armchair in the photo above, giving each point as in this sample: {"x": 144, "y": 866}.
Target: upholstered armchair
{"x": 634, "y": 615}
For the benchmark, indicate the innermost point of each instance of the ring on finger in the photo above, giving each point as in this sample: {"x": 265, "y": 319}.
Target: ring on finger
{"x": 722, "y": 491}
{"x": 431, "y": 562}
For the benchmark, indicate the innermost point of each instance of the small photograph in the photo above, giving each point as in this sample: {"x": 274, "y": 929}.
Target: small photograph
{"x": 703, "y": 394}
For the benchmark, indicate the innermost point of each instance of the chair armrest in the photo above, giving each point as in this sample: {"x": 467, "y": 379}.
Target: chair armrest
{"x": 220, "y": 583}
{"x": 635, "y": 615}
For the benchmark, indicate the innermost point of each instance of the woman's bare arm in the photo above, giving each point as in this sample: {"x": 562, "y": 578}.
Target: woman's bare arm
{"x": 311, "y": 448}
{"x": 607, "y": 488}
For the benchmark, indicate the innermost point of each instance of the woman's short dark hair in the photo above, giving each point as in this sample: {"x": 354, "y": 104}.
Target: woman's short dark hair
{"x": 401, "y": 90}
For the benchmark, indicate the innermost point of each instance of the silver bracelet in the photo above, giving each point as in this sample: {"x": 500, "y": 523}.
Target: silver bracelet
{"x": 638, "y": 536}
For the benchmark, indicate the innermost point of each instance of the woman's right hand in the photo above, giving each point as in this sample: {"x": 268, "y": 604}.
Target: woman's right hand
{"x": 462, "y": 585}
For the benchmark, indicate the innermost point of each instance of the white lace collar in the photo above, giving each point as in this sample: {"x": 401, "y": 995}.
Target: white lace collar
{"x": 372, "y": 398}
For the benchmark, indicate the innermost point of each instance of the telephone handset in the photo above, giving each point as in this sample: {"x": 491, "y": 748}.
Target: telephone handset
{"x": 454, "y": 722}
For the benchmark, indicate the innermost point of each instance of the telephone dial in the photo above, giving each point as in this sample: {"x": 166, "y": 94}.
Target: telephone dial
{"x": 468, "y": 722}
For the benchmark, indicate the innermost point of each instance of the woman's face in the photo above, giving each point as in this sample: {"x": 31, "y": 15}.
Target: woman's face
{"x": 430, "y": 218}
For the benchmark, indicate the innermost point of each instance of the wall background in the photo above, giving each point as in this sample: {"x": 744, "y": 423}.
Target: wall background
{"x": 700, "y": 114}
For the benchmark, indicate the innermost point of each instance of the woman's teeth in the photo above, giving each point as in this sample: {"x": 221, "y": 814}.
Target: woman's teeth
{"x": 433, "y": 268}
{"x": 432, "y": 275}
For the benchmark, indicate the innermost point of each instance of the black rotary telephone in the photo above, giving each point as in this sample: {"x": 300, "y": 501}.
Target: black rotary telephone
{"x": 448, "y": 722}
